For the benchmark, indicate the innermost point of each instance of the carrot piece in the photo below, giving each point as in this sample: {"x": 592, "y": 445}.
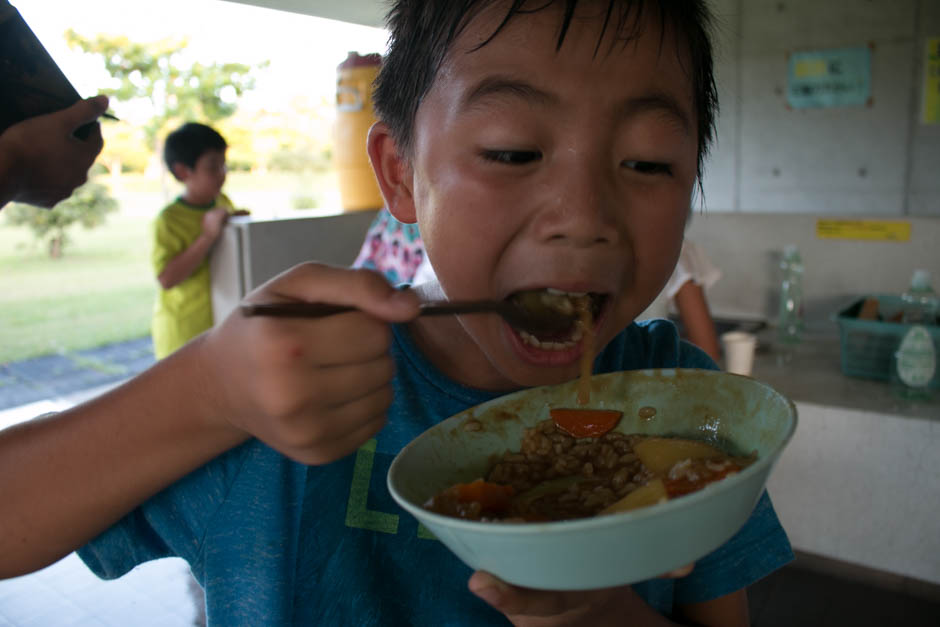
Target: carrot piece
{"x": 492, "y": 497}
{"x": 682, "y": 485}
{"x": 585, "y": 423}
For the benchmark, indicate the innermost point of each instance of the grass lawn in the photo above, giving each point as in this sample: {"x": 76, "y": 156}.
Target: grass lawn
{"x": 101, "y": 291}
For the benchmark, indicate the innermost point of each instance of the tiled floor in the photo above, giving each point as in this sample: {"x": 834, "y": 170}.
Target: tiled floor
{"x": 67, "y": 594}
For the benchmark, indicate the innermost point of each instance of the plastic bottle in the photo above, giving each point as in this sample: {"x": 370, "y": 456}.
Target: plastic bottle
{"x": 914, "y": 364}
{"x": 790, "y": 321}
{"x": 919, "y": 302}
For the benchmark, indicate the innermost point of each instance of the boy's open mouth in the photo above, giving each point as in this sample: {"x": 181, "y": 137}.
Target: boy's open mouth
{"x": 568, "y": 307}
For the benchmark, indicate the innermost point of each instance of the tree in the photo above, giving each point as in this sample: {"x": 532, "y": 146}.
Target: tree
{"x": 157, "y": 72}
{"x": 88, "y": 205}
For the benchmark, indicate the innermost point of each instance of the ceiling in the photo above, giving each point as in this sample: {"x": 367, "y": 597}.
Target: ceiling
{"x": 366, "y": 12}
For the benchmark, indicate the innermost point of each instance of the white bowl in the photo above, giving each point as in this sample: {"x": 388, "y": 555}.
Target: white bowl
{"x": 616, "y": 549}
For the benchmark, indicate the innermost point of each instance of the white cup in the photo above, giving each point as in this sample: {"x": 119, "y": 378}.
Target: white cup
{"x": 739, "y": 351}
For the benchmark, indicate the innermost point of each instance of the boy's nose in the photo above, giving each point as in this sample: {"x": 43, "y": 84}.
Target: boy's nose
{"x": 582, "y": 210}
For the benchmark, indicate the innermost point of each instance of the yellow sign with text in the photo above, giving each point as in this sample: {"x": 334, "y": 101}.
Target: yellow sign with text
{"x": 875, "y": 230}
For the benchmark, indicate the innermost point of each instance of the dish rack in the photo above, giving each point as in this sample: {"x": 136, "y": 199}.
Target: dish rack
{"x": 867, "y": 346}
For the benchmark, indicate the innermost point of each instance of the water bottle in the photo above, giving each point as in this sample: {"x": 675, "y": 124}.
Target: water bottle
{"x": 790, "y": 321}
{"x": 914, "y": 364}
{"x": 919, "y": 302}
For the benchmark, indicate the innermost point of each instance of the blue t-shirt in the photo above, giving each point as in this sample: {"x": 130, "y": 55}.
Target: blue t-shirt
{"x": 276, "y": 542}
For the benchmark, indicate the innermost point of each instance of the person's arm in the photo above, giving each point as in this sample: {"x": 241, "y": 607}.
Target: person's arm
{"x": 66, "y": 477}
{"x": 42, "y": 162}
{"x": 181, "y": 267}
{"x": 611, "y": 606}
{"x": 697, "y": 319}
{"x": 314, "y": 390}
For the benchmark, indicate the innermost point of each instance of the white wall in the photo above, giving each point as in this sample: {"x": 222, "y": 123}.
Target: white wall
{"x": 747, "y": 248}
{"x": 861, "y": 161}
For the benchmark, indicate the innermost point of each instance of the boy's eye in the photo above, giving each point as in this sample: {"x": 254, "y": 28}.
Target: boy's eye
{"x": 648, "y": 167}
{"x": 512, "y": 157}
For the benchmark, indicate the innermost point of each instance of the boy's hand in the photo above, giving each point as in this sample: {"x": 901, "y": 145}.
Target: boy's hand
{"x": 540, "y": 608}
{"x": 314, "y": 389}
{"x": 42, "y": 162}
{"x": 213, "y": 222}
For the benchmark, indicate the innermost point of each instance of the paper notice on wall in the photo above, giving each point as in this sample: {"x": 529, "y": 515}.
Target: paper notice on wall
{"x": 873, "y": 230}
{"x": 839, "y": 77}
{"x": 931, "y": 114}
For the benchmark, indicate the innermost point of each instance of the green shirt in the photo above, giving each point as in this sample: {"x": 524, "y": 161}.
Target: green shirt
{"x": 185, "y": 310}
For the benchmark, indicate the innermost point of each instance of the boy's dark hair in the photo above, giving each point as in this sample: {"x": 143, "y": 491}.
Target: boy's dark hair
{"x": 187, "y": 143}
{"x": 422, "y": 32}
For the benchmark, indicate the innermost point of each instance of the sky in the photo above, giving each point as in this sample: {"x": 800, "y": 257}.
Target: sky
{"x": 303, "y": 51}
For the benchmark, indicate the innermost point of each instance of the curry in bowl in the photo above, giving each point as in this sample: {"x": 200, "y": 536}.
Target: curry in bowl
{"x": 575, "y": 465}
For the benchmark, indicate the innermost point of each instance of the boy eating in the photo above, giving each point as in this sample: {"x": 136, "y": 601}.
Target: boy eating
{"x": 540, "y": 146}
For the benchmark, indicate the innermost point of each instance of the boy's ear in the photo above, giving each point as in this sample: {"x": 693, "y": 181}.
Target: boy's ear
{"x": 180, "y": 171}
{"x": 393, "y": 173}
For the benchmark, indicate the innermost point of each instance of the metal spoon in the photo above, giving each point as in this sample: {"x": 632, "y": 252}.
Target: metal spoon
{"x": 521, "y": 314}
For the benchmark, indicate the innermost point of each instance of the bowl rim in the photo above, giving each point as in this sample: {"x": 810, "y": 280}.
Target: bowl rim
{"x": 596, "y": 521}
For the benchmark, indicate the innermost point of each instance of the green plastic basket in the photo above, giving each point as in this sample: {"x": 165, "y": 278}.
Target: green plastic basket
{"x": 868, "y": 345}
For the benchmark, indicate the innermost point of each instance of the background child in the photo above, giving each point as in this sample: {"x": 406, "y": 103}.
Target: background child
{"x": 545, "y": 146}
{"x": 183, "y": 235}
{"x": 685, "y": 290}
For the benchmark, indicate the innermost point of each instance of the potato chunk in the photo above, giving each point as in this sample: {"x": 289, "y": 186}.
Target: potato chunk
{"x": 649, "y": 494}
{"x": 661, "y": 454}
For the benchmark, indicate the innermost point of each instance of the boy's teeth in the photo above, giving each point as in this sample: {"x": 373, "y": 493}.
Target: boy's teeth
{"x": 531, "y": 340}
{"x": 552, "y": 290}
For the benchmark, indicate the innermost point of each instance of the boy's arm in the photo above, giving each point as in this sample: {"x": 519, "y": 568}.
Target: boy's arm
{"x": 314, "y": 390}
{"x": 180, "y": 267}
{"x": 611, "y": 606}
{"x": 697, "y": 319}
{"x": 67, "y": 477}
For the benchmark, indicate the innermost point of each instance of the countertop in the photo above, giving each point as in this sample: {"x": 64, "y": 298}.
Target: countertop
{"x": 811, "y": 372}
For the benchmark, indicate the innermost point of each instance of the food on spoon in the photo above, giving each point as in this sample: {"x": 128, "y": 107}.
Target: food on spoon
{"x": 554, "y": 304}
{"x": 555, "y": 476}
{"x": 580, "y": 308}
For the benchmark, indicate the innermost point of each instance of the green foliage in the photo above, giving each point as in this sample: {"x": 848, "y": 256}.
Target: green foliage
{"x": 88, "y": 205}
{"x": 155, "y": 71}
{"x": 298, "y": 159}
{"x": 296, "y": 142}
{"x": 304, "y": 201}
{"x": 126, "y": 148}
